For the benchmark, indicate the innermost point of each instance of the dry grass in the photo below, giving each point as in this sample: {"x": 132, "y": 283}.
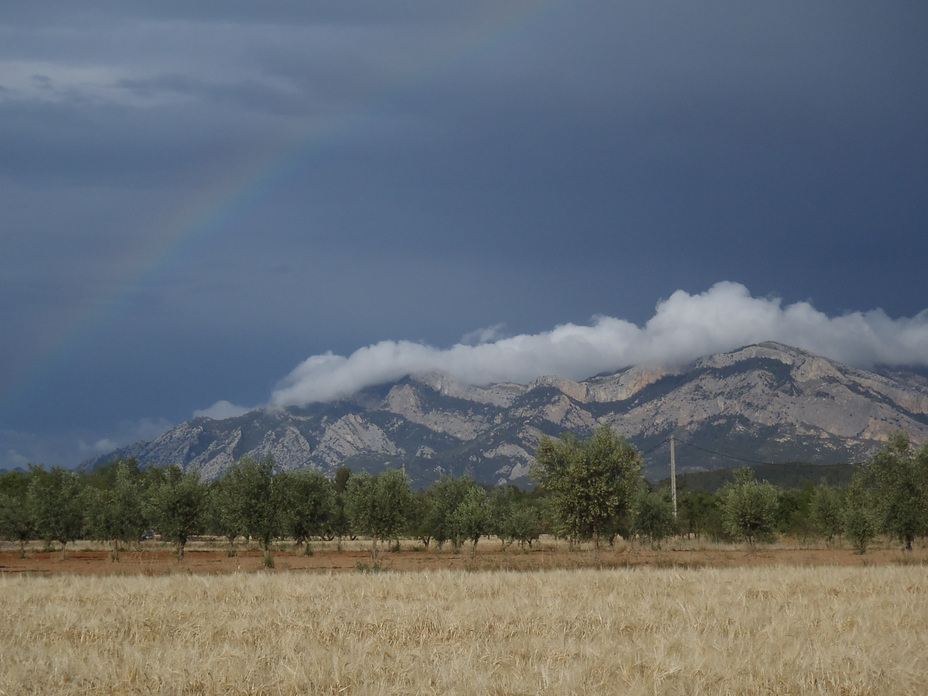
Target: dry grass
{"x": 645, "y": 631}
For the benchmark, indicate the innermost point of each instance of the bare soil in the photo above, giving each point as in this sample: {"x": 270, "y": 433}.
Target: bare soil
{"x": 155, "y": 559}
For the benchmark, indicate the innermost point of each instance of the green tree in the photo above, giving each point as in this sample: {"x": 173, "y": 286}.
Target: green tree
{"x": 15, "y": 518}
{"x": 698, "y": 514}
{"x": 749, "y": 507}
{"x": 859, "y": 518}
{"x": 378, "y": 506}
{"x": 420, "y": 515}
{"x": 115, "y": 512}
{"x": 471, "y": 518}
{"x": 177, "y": 507}
{"x": 898, "y": 476}
{"x": 446, "y": 495}
{"x": 257, "y": 500}
{"x": 825, "y": 511}
{"x": 338, "y": 525}
{"x": 341, "y": 479}
{"x": 55, "y": 502}
{"x": 792, "y": 517}
{"x": 310, "y": 503}
{"x": 514, "y": 516}
{"x": 652, "y": 515}
{"x": 104, "y": 476}
{"x": 222, "y": 518}
{"x": 591, "y": 482}
{"x": 524, "y": 523}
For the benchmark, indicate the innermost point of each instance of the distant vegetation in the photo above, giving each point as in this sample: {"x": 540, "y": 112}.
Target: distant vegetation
{"x": 783, "y": 476}
{"x": 589, "y": 490}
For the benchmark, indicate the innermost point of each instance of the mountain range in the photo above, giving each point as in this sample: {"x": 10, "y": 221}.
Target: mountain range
{"x": 766, "y": 402}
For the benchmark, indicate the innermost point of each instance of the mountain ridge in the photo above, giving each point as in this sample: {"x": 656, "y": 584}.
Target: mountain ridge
{"x": 766, "y": 401}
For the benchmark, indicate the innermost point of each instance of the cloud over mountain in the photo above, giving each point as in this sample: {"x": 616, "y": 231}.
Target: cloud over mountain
{"x": 683, "y": 328}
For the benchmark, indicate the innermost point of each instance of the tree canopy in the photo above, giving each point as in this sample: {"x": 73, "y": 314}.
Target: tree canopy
{"x": 749, "y": 507}
{"x": 591, "y": 482}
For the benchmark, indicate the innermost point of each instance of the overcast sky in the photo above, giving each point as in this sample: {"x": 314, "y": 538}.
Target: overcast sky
{"x": 218, "y": 205}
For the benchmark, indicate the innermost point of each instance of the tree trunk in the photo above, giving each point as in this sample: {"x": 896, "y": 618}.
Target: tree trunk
{"x": 268, "y": 559}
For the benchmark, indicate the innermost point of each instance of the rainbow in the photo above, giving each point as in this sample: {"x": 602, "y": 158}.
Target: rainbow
{"x": 186, "y": 233}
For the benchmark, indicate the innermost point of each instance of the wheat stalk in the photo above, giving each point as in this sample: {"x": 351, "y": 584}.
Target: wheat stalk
{"x": 646, "y": 631}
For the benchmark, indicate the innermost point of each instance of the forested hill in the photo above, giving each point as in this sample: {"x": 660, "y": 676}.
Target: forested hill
{"x": 767, "y": 403}
{"x": 786, "y": 476}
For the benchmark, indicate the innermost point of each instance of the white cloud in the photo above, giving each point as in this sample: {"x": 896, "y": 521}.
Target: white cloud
{"x": 58, "y": 81}
{"x": 69, "y": 447}
{"x": 221, "y": 410}
{"x": 101, "y": 446}
{"x": 684, "y": 327}
{"x": 484, "y": 335}
{"x": 127, "y": 433}
{"x": 14, "y": 460}
{"x": 144, "y": 429}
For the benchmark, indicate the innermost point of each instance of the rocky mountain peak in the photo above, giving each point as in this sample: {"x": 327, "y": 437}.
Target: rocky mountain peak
{"x": 576, "y": 391}
{"x": 764, "y": 402}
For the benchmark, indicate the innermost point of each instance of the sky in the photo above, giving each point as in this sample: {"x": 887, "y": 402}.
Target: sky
{"x": 214, "y": 206}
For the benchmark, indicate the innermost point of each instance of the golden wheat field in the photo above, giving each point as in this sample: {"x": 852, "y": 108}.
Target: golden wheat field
{"x": 765, "y": 630}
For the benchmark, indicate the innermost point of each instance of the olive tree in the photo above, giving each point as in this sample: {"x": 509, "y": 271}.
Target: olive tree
{"x": 115, "y": 513}
{"x": 257, "y": 501}
{"x": 898, "y": 478}
{"x": 222, "y": 518}
{"x": 418, "y": 523}
{"x": 698, "y": 514}
{"x": 15, "y": 518}
{"x": 652, "y": 515}
{"x": 514, "y": 516}
{"x": 177, "y": 507}
{"x": 859, "y": 519}
{"x": 310, "y": 503}
{"x": 825, "y": 511}
{"x": 56, "y": 505}
{"x": 591, "y": 482}
{"x": 446, "y": 495}
{"x": 378, "y": 506}
{"x": 749, "y": 507}
{"x": 471, "y": 518}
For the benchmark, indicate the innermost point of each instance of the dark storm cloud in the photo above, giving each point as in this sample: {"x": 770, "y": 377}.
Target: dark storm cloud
{"x": 194, "y": 197}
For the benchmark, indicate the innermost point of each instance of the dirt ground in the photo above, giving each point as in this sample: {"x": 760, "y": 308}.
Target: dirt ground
{"x": 205, "y": 558}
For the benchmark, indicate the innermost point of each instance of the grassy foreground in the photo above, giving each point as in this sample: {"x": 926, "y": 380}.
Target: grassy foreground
{"x": 764, "y": 630}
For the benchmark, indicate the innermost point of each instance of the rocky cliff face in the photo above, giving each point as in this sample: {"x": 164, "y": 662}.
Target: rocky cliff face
{"x": 765, "y": 402}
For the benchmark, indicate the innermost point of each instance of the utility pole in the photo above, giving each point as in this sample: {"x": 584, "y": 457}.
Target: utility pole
{"x": 673, "y": 477}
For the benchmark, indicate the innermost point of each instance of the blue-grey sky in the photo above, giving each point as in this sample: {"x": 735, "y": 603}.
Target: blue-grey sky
{"x": 211, "y": 206}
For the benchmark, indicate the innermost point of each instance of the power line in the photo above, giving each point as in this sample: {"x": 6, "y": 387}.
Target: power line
{"x": 657, "y": 446}
{"x": 727, "y": 456}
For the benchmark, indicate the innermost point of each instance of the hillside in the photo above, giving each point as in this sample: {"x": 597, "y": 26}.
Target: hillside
{"x": 788, "y": 475}
{"x": 765, "y": 403}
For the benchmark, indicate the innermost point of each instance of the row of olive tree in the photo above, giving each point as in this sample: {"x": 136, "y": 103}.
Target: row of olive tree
{"x": 119, "y": 504}
{"x": 887, "y": 495}
{"x": 596, "y": 490}
{"x": 589, "y": 489}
